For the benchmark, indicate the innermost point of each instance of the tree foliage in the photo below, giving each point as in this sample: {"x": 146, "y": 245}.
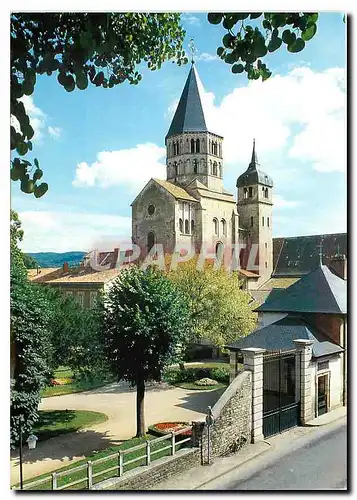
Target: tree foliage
{"x": 145, "y": 321}
{"x": 245, "y": 44}
{"x": 102, "y": 49}
{"x": 220, "y": 309}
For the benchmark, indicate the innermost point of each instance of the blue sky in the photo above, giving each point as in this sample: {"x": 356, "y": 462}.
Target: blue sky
{"x": 98, "y": 147}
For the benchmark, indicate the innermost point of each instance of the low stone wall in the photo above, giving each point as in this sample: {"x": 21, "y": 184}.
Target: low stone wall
{"x": 232, "y": 419}
{"x": 146, "y": 477}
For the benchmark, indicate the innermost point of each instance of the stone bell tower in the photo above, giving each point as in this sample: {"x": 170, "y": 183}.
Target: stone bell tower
{"x": 192, "y": 151}
{"x": 255, "y": 207}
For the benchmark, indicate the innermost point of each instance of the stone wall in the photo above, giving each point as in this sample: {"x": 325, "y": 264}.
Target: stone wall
{"x": 146, "y": 477}
{"x": 232, "y": 419}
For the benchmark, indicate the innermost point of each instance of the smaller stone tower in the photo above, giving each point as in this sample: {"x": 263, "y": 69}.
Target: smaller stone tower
{"x": 255, "y": 207}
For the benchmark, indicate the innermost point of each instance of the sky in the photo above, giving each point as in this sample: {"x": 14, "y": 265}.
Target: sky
{"x": 99, "y": 147}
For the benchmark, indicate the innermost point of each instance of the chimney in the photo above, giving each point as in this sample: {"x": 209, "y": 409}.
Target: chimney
{"x": 338, "y": 265}
{"x": 65, "y": 267}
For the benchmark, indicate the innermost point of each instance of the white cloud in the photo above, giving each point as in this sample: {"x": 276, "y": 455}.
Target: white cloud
{"x": 280, "y": 202}
{"x": 205, "y": 56}
{"x": 271, "y": 111}
{"x": 190, "y": 19}
{"x": 51, "y": 231}
{"x": 128, "y": 167}
{"x": 37, "y": 120}
{"x": 54, "y": 131}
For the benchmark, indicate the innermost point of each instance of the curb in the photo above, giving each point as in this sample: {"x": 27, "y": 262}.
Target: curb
{"x": 234, "y": 467}
{"x": 326, "y": 423}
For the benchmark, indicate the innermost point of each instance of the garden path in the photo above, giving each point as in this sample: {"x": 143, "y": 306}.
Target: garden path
{"x": 162, "y": 402}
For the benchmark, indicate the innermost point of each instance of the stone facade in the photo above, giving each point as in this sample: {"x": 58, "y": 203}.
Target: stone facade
{"x": 232, "y": 419}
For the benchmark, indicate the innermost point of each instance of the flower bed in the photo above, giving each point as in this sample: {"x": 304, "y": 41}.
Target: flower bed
{"x": 61, "y": 381}
{"x": 163, "y": 428}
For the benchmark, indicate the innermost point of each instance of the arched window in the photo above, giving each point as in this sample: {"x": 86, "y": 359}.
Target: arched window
{"x": 250, "y": 192}
{"x": 197, "y": 145}
{"x": 192, "y": 226}
{"x": 263, "y": 221}
{"x": 181, "y": 225}
{"x": 209, "y": 146}
{"x": 187, "y": 146}
{"x": 188, "y": 166}
{"x": 195, "y": 166}
{"x": 150, "y": 240}
{"x": 215, "y": 168}
{"x": 181, "y": 149}
{"x": 266, "y": 193}
{"x": 192, "y": 145}
{"x": 187, "y": 227}
{"x": 175, "y": 168}
{"x": 178, "y": 147}
{"x": 203, "y": 164}
{"x": 215, "y": 226}
{"x": 220, "y": 150}
{"x": 245, "y": 193}
{"x": 224, "y": 227}
{"x": 251, "y": 222}
{"x": 180, "y": 170}
{"x": 210, "y": 167}
{"x": 219, "y": 170}
{"x": 268, "y": 221}
{"x": 219, "y": 250}
{"x": 174, "y": 148}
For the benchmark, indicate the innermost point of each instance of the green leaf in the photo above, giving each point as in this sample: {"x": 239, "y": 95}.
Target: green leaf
{"x": 237, "y": 68}
{"x": 309, "y": 33}
{"x": 82, "y": 80}
{"x": 227, "y": 40}
{"x": 231, "y": 58}
{"x": 274, "y": 44}
{"x": 27, "y": 186}
{"x": 37, "y": 165}
{"x": 22, "y": 148}
{"x": 288, "y": 37}
{"x": 40, "y": 190}
{"x": 220, "y": 51}
{"x": 297, "y": 46}
{"x": 267, "y": 24}
{"x": 240, "y": 16}
{"x": 255, "y": 15}
{"x": 69, "y": 85}
{"x": 37, "y": 174}
{"x": 214, "y": 18}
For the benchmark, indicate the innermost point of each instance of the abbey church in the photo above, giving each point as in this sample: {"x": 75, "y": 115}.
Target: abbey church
{"x": 192, "y": 207}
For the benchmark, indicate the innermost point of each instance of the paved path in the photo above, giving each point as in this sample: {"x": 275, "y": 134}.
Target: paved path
{"x": 118, "y": 401}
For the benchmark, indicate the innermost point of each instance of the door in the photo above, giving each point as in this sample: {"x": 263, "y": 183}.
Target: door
{"x": 322, "y": 394}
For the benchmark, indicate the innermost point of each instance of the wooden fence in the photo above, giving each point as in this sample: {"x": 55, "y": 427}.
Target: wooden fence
{"x": 114, "y": 471}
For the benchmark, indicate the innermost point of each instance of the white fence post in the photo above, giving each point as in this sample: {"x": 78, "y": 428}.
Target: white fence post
{"x": 148, "y": 457}
{"x": 173, "y": 443}
{"x": 121, "y": 463}
{"x": 90, "y": 474}
{"x": 54, "y": 480}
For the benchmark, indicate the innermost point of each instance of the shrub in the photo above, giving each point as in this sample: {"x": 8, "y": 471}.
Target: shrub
{"x": 206, "y": 381}
{"x": 221, "y": 374}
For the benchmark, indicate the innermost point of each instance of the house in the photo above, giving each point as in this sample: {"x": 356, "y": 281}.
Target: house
{"x": 313, "y": 310}
{"x": 82, "y": 283}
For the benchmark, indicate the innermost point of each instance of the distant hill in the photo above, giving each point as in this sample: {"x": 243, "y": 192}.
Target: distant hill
{"x": 53, "y": 259}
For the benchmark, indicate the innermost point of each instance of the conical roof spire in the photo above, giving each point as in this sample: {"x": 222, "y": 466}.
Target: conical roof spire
{"x": 189, "y": 115}
{"x": 254, "y": 161}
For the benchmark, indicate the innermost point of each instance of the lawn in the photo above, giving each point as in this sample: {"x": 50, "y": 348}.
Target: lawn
{"x": 82, "y": 474}
{"x": 55, "y": 422}
{"x": 63, "y": 373}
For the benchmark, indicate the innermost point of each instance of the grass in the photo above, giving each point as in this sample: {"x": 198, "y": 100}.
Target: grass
{"x": 82, "y": 474}
{"x": 56, "y": 422}
{"x": 193, "y": 386}
{"x": 75, "y": 386}
{"x": 214, "y": 364}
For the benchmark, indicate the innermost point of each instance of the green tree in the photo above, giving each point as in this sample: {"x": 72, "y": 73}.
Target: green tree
{"x": 145, "y": 320}
{"x": 245, "y": 44}
{"x": 102, "y": 49}
{"x": 220, "y": 309}
{"x": 29, "y": 261}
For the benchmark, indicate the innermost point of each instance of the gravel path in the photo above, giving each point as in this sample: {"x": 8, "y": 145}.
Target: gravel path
{"x": 118, "y": 401}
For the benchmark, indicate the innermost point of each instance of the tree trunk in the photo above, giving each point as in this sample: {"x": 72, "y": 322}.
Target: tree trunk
{"x": 140, "y": 418}
{"x": 182, "y": 365}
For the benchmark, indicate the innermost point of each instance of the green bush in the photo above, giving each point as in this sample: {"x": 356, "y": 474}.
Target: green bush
{"x": 221, "y": 374}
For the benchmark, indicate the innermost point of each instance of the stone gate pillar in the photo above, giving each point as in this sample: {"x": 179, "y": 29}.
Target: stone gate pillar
{"x": 306, "y": 404}
{"x": 253, "y": 361}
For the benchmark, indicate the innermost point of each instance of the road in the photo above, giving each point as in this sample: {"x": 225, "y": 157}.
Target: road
{"x": 312, "y": 463}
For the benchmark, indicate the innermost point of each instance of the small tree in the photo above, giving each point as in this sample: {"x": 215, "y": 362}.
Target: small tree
{"x": 145, "y": 320}
{"x": 220, "y": 309}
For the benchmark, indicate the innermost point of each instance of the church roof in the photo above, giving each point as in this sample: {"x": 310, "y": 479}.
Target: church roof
{"x": 176, "y": 191}
{"x": 299, "y": 255}
{"x": 320, "y": 291}
{"x": 189, "y": 115}
{"x": 281, "y": 335}
{"x": 253, "y": 175}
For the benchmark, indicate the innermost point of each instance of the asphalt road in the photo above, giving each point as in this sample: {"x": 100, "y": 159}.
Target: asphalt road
{"x": 318, "y": 464}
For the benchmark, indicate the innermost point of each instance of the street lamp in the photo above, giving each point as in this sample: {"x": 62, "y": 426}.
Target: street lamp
{"x": 31, "y": 441}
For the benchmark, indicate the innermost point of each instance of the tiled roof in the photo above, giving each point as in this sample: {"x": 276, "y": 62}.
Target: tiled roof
{"x": 189, "y": 115}
{"x": 299, "y": 255}
{"x": 77, "y": 275}
{"x": 205, "y": 193}
{"x": 176, "y": 191}
{"x": 320, "y": 291}
{"x": 281, "y": 336}
{"x": 253, "y": 175}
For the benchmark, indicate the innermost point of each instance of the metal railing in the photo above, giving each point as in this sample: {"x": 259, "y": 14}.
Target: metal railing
{"x": 118, "y": 469}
